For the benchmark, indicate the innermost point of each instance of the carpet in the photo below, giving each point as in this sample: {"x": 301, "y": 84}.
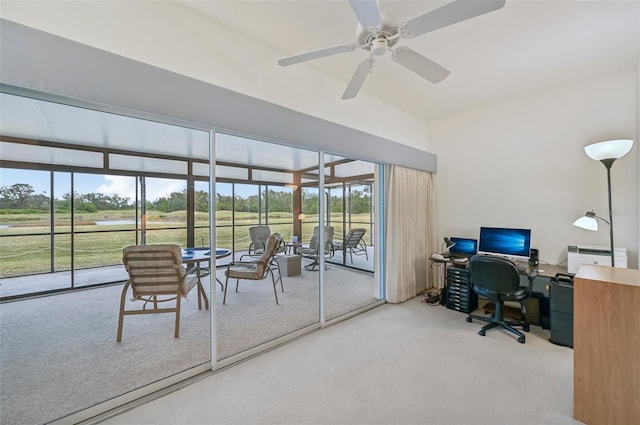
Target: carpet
{"x": 59, "y": 353}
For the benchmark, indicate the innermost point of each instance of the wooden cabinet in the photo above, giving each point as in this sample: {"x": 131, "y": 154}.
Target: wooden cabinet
{"x": 606, "y": 370}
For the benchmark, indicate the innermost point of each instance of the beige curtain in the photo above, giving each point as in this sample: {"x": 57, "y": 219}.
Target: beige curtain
{"x": 411, "y": 233}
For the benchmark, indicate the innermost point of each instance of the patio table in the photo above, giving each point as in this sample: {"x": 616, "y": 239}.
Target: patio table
{"x": 193, "y": 257}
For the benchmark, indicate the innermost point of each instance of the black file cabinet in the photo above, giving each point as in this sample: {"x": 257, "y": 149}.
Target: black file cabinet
{"x": 459, "y": 293}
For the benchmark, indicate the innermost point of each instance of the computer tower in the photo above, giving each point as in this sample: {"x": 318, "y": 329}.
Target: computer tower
{"x": 561, "y": 311}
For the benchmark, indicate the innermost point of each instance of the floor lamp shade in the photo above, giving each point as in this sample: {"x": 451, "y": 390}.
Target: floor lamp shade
{"x": 611, "y": 149}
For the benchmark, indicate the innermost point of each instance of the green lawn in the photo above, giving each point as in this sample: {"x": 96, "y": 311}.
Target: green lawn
{"x": 102, "y": 244}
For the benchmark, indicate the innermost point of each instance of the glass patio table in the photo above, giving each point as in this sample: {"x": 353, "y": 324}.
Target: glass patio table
{"x": 193, "y": 258}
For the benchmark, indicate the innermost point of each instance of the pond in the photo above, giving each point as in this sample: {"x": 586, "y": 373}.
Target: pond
{"x": 114, "y": 222}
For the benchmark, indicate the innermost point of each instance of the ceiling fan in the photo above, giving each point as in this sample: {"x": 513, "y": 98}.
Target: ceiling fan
{"x": 378, "y": 37}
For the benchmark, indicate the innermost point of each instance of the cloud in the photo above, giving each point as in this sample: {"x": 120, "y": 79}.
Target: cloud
{"x": 125, "y": 187}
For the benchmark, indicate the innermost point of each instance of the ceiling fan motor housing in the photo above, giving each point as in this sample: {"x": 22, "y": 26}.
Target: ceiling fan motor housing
{"x": 371, "y": 39}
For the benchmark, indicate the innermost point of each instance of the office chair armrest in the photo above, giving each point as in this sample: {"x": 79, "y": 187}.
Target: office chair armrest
{"x": 531, "y": 276}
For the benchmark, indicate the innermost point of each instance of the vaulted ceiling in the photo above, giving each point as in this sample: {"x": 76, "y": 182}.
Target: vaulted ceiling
{"x": 523, "y": 48}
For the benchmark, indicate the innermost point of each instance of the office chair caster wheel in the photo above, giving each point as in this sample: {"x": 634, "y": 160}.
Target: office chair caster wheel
{"x": 525, "y": 328}
{"x": 521, "y": 339}
{"x": 469, "y": 319}
{"x": 481, "y": 332}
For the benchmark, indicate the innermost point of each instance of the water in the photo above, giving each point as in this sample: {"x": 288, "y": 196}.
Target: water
{"x": 114, "y": 222}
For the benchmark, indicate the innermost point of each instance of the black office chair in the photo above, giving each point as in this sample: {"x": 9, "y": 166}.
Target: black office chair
{"x": 498, "y": 280}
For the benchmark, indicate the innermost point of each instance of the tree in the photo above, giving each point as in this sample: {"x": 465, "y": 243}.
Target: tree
{"x": 223, "y": 202}
{"x": 280, "y": 201}
{"x": 310, "y": 201}
{"x": 40, "y": 202}
{"x": 176, "y": 201}
{"x": 17, "y": 195}
{"x": 202, "y": 201}
{"x": 360, "y": 202}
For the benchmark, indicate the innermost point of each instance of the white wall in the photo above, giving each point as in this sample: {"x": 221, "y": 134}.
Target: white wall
{"x": 172, "y": 37}
{"x": 522, "y": 164}
{"x": 514, "y": 164}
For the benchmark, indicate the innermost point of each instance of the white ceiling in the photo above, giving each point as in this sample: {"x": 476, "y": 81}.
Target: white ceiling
{"x": 31, "y": 118}
{"x": 523, "y": 48}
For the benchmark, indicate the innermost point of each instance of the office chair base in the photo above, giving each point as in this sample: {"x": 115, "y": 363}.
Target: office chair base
{"x": 505, "y": 324}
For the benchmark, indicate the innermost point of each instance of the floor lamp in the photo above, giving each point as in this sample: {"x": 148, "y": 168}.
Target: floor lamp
{"x": 607, "y": 153}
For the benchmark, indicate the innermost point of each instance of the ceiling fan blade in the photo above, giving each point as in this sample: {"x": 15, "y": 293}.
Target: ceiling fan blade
{"x": 303, "y": 57}
{"x": 426, "y": 68}
{"x": 448, "y": 14}
{"x": 367, "y": 13}
{"x": 358, "y": 79}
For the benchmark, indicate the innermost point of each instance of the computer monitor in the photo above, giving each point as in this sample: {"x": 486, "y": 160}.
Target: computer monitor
{"x": 463, "y": 247}
{"x": 500, "y": 241}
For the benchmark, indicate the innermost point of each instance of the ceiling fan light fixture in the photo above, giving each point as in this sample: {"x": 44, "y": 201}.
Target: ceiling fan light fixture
{"x": 379, "y": 46}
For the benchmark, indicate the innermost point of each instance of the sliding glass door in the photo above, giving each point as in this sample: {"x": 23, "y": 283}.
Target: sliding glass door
{"x": 255, "y": 189}
{"x": 79, "y": 185}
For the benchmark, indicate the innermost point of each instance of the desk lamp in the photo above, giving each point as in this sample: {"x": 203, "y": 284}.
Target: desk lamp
{"x": 448, "y": 243}
{"x": 588, "y": 221}
{"x": 607, "y": 153}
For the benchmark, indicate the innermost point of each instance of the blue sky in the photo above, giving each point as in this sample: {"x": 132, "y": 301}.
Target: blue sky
{"x": 123, "y": 186}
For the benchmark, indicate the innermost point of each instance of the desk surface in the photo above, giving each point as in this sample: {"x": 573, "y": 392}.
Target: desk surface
{"x": 542, "y": 270}
{"x": 545, "y": 270}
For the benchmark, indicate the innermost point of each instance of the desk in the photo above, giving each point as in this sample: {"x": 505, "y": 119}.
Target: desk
{"x": 542, "y": 270}
{"x": 541, "y": 309}
{"x": 193, "y": 257}
{"x": 442, "y": 262}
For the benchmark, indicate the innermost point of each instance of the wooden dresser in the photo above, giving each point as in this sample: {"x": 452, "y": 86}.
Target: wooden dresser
{"x": 606, "y": 351}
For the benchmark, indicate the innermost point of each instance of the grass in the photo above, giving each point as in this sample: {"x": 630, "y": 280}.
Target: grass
{"x": 25, "y": 247}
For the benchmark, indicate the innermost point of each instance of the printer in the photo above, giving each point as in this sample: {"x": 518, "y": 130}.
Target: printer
{"x": 581, "y": 254}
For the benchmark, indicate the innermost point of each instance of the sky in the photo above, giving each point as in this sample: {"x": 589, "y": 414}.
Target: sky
{"x": 123, "y": 186}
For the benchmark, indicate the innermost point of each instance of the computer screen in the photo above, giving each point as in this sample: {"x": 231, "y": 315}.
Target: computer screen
{"x": 464, "y": 246}
{"x": 505, "y": 242}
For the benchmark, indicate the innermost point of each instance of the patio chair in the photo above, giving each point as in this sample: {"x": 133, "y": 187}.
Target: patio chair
{"x": 257, "y": 269}
{"x": 258, "y": 235}
{"x": 353, "y": 243}
{"x": 156, "y": 275}
{"x": 312, "y": 250}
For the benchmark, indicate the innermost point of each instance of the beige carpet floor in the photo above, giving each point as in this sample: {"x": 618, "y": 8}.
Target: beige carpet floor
{"x": 397, "y": 364}
{"x": 59, "y": 353}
